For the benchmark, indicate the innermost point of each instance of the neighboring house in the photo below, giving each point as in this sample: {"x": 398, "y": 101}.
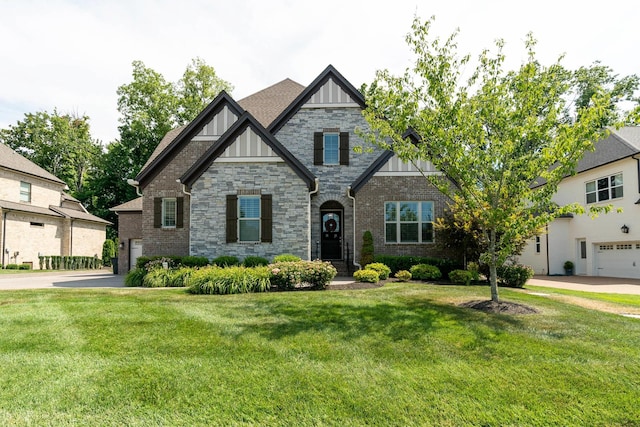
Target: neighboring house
{"x": 38, "y": 218}
{"x": 608, "y": 245}
{"x": 276, "y": 173}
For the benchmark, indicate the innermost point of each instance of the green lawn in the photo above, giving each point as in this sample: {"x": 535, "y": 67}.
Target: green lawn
{"x": 401, "y": 355}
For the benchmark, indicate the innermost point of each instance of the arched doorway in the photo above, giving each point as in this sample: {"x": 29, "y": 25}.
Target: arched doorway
{"x": 331, "y": 232}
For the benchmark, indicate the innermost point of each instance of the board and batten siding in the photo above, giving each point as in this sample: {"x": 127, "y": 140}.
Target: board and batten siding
{"x": 217, "y": 125}
{"x": 329, "y": 93}
{"x": 396, "y": 166}
{"x": 249, "y": 145}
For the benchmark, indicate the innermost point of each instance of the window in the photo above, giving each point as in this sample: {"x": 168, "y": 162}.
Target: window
{"x": 408, "y": 222}
{"x": 331, "y": 147}
{"x": 168, "y": 213}
{"x": 37, "y": 224}
{"x": 537, "y": 244}
{"x": 249, "y": 218}
{"x": 25, "y": 192}
{"x": 603, "y": 189}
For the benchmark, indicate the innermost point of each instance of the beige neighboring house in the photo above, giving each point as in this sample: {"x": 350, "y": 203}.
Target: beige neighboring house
{"x": 38, "y": 218}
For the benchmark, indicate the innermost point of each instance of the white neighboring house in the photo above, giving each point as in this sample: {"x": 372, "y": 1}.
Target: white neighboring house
{"x": 38, "y": 218}
{"x": 608, "y": 245}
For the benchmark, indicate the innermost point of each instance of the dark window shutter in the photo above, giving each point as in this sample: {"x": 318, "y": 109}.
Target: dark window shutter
{"x": 344, "y": 148}
{"x": 232, "y": 218}
{"x": 266, "y": 216}
{"x": 318, "y": 148}
{"x": 157, "y": 212}
{"x": 180, "y": 212}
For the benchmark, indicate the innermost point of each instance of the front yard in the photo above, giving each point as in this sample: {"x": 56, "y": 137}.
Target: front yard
{"x": 402, "y": 354}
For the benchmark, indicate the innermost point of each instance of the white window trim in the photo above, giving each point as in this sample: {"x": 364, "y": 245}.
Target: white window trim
{"x": 164, "y": 212}
{"x": 27, "y": 192}
{"x": 609, "y": 188}
{"x": 419, "y": 222}
{"x": 324, "y": 148}
{"x": 258, "y": 218}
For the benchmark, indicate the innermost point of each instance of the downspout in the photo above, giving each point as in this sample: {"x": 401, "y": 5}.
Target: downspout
{"x": 547, "y": 243}
{"x": 4, "y": 235}
{"x": 184, "y": 190}
{"x": 311, "y": 193}
{"x": 136, "y": 184}
{"x": 354, "y": 227}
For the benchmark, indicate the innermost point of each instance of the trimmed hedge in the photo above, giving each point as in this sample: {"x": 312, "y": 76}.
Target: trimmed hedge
{"x": 255, "y": 261}
{"x": 404, "y": 262}
{"x": 226, "y": 261}
{"x": 288, "y": 275}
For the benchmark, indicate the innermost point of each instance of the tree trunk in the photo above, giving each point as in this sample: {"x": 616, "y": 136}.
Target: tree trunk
{"x": 493, "y": 270}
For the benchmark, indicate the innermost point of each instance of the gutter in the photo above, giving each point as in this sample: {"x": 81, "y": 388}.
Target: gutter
{"x": 4, "y": 235}
{"x": 354, "y": 227}
{"x": 638, "y": 166}
{"x": 136, "y": 184}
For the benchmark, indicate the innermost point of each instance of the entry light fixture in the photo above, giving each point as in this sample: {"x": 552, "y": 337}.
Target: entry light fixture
{"x": 624, "y": 229}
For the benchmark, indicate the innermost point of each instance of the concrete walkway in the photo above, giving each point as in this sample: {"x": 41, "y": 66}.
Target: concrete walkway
{"x": 610, "y": 285}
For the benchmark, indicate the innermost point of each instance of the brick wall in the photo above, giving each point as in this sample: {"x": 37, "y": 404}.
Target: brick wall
{"x": 370, "y": 212}
{"x": 129, "y": 227}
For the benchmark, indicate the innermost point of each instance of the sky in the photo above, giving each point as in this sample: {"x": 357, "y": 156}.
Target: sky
{"x": 72, "y": 55}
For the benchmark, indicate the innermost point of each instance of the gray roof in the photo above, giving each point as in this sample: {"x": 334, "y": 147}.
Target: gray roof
{"x": 23, "y": 207}
{"x": 75, "y": 214}
{"x": 267, "y": 104}
{"x": 12, "y": 160}
{"x": 130, "y": 206}
{"x": 620, "y": 144}
{"x": 168, "y": 138}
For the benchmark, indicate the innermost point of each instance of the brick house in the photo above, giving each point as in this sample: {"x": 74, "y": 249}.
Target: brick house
{"x": 276, "y": 173}
{"x": 38, "y": 218}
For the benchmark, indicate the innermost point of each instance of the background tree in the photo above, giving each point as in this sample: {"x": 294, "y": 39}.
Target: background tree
{"x": 59, "y": 143}
{"x": 493, "y": 134}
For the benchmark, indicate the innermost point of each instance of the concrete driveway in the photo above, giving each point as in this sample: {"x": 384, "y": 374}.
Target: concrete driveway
{"x": 64, "y": 279}
{"x": 610, "y": 285}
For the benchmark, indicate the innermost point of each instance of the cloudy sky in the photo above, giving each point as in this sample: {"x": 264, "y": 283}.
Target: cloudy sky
{"x": 73, "y": 54}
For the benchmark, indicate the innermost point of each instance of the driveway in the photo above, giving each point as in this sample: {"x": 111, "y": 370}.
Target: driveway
{"x": 610, "y": 285}
{"x": 64, "y": 279}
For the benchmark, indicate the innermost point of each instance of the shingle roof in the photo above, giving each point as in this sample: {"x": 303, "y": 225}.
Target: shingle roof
{"x": 23, "y": 207}
{"x": 12, "y": 160}
{"x": 620, "y": 144}
{"x": 75, "y": 214}
{"x": 168, "y": 138}
{"x": 130, "y": 206}
{"x": 268, "y": 103}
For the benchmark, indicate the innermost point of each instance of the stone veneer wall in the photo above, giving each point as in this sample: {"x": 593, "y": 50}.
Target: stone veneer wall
{"x": 370, "y": 212}
{"x": 297, "y": 137}
{"x": 290, "y": 210}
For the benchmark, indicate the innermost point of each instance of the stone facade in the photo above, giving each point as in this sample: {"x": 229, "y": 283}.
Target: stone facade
{"x": 290, "y": 209}
{"x": 370, "y": 212}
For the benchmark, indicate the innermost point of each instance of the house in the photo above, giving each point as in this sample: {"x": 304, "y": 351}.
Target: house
{"x": 608, "y": 245}
{"x": 38, "y": 218}
{"x": 276, "y": 173}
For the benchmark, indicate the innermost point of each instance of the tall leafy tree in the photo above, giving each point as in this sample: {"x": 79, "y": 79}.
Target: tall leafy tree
{"x": 493, "y": 134}
{"x": 59, "y": 143}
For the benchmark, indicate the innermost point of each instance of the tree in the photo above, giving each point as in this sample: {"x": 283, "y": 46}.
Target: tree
{"x": 494, "y": 135}
{"x": 59, "y": 143}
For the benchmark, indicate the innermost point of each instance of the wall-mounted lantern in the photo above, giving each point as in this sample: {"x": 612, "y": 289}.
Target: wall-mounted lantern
{"x": 624, "y": 229}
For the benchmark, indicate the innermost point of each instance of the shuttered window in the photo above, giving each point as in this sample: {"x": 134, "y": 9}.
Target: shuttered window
{"x": 331, "y": 148}
{"x": 249, "y": 218}
{"x": 168, "y": 212}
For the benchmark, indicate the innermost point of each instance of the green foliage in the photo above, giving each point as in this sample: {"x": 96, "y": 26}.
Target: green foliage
{"x": 12, "y": 267}
{"x": 255, "y": 261}
{"x": 286, "y": 258}
{"x": 135, "y": 277}
{"x": 24, "y": 267}
{"x": 179, "y": 277}
{"x": 193, "y": 261}
{"x": 405, "y": 262}
{"x": 366, "y": 257}
{"x": 403, "y": 276}
{"x": 289, "y": 274}
{"x": 229, "y": 280}
{"x": 425, "y": 272}
{"x": 460, "y": 277}
{"x": 366, "y": 275}
{"x": 514, "y": 276}
{"x": 474, "y": 269}
{"x": 568, "y": 265}
{"x": 498, "y": 134}
{"x": 383, "y": 270}
{"x": 150, "y": 262}
{"x": 226, "y": 261}
{"x": 108, "y": 252}
{"x": 157, "y": 278}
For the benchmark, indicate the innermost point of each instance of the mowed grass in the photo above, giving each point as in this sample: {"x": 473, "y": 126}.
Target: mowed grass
{"x": 400, "y": 355}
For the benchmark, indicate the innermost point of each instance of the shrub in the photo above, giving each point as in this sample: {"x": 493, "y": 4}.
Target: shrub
{"x": 108, "y": 252}
{"x": 405, "y": 262}
{"x": 367, "y": 248}
{"x": 179, "y": 277}
{"x": 425, "y": 272}
{"x": 193, "y": 261}
{"x": 11, "y": 266}
{"x": 514, "y": 276}
{"x": 157, "y": 278}
{"x": 230, "y": 280}
{"x": 403, "y": 276}
{"x": 474, "y": 269}
{"x": 24, "y": 267}
{"x": 383, "y": 270}
{"x": 286, "y": 275}
{"x": 460, "y": 277}
{"x": 159, "y": 262}
{"x": 226, "y": 261}
{"x": 255, "y": 261}
{"x": 286, "y": 258}
{"x": 135, "y": 277}
{"x": 366, "y": 275}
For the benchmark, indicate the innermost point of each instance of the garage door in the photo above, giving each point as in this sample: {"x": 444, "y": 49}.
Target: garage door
{"x": 618, "y": 259}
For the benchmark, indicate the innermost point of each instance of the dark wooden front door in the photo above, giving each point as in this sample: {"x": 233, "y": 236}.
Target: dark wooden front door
{"x": 331, "y": 240}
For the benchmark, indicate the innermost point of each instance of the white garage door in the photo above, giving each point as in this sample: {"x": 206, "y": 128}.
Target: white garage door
{"x": 136, "y": 251}
{"x": 618, "y": 259}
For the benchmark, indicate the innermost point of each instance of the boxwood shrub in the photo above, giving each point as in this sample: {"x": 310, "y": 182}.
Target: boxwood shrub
{"x": 461, "y": 277}
{"x": 366, "y": 275}
{"x": 255, "y": 261}
{"x": 290, "y": 274}
{"x": 383, "y": 270}
{"x": 514, "y": 276}
{"x": 226, "y": 261}
{"x": 425, "y": 272}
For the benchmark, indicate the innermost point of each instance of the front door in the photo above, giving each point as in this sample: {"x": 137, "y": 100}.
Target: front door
{"x": 581, "y": 265}
{"x": 331, "y": 240}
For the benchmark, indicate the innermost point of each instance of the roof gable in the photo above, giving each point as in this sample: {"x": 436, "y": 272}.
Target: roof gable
{"x": 240, "y": 127}
{"x": 619, "y": 144}
{"x": 178, "y": 138}
{"x": 315, "y": 93}
{"x": 11, "y": 159}
{"x": 268, "y": 103}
